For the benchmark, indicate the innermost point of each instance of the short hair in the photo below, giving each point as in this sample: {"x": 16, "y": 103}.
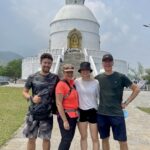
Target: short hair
{"x": 46, "y": 55}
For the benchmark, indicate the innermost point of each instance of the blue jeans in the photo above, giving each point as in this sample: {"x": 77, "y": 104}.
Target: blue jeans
{"x": 66, "y": 135}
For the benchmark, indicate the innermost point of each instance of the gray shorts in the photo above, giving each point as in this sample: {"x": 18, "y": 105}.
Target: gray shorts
{"x": 41, "y": 129}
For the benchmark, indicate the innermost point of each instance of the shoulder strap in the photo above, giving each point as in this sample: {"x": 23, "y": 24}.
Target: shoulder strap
{"x": 71, "y": 88}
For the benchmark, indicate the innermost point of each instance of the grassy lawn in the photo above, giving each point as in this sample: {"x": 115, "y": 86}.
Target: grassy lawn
{"x": 145, "y": 109}
{"x": 13, "y": 108}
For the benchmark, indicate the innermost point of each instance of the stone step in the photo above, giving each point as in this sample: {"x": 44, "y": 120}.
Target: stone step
{"x": 74, "y": 58}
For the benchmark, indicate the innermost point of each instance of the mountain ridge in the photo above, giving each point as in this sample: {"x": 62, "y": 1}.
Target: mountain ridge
{"x": 7, "y": 56}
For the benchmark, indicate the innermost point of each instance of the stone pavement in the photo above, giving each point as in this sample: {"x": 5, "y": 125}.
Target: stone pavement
{"x": 138, "y": 129}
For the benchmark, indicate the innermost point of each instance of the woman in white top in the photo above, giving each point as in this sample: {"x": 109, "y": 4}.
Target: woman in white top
{"x": 88, "y": 91}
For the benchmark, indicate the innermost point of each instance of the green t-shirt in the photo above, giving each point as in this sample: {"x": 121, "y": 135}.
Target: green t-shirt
{"x": 111, "y": 93}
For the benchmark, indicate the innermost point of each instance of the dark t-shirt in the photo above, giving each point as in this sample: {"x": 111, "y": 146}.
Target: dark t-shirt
{"x": 41, "y": 85}
{"x": 111, "y": 93}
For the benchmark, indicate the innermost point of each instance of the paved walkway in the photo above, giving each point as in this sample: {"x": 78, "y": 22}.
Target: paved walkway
{"x": 138, "y": 127}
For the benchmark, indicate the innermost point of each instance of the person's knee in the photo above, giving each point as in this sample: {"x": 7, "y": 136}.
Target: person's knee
{"x": 84, "y": 137}
{"x": 46, "y": 140}
{"x": 31, "y": 140}
{"x": 95, "y": 139}
{"x": 123, "y": 143}
{"x": 106, "y": 140}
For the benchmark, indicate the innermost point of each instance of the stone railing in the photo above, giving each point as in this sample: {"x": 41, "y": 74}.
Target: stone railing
{"x": 93, "y": 66}
{"x": 90, "y": 59}
{"x": 85, "y": 54}
{"x": 62, "y": 54}
{"x": 60, "y": 58}
{"x": 56, "y": 69}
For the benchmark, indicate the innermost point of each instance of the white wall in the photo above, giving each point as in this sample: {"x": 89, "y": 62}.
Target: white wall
{"x": 89, "y": 31}
{"x": 30, "y": 65}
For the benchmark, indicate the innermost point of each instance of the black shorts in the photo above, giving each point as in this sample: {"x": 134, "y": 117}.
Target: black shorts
{"x": 89, "y": 115}
{"x": 117, "y": 123}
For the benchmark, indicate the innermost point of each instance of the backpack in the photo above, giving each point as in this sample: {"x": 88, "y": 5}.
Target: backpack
{"x": 40, "y": 111}
{"x": 43, "y": 110}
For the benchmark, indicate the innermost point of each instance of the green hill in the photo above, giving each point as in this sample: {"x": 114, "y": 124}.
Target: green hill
{"x": 7, "y": 56}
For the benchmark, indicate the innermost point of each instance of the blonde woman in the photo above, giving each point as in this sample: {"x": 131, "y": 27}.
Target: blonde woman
{"x": 88, "y": 91}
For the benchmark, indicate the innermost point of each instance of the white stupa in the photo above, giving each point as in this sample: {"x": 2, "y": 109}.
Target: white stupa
{"x": 74, "y": 21}
{"x": 73, "y": 27}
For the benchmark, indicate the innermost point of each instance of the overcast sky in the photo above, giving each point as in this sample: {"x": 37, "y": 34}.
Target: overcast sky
{"x": 24, "y": 26}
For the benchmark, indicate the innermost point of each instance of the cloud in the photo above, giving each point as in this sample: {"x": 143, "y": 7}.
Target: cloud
{"x": 106, "y": 37}
{"x": 37, "y": 13}
{"x": 134, "y": 38}
{"x": 115, "y": 21}
{"x": 137, "y": 16}
{"x": 125, "y": 29}
{"x": 100, "y": 9}
{"x": 120, "y": 21}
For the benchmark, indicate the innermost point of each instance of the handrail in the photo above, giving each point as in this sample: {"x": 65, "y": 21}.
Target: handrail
{"x": 85, "y": 54}
{"x": 62, "y": 54}
{"x": 59, "y": 59}
{"x": 57, "y": 64}
{"x": 93, "y": 66}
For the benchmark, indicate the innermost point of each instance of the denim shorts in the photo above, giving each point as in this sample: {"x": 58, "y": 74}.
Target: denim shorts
{"x": 89, "y": 115}
{"x": 41, "y": 129}
{"x": 117, "y": 123}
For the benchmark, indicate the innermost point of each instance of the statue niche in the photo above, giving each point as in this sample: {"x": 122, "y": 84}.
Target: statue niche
{"x": 74, "y": 39}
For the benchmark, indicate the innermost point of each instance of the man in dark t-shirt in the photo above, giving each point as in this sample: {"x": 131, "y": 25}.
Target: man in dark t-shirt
{"x": 39, "y": 120}
{"x": 110, "y": 113}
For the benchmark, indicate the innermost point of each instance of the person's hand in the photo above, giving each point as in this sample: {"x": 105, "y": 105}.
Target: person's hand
{"x": 124, "y": 105}
{"x": 36, "y": 99}
{"x": 66, "y": 125}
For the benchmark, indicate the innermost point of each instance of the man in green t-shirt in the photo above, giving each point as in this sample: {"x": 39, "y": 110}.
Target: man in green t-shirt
{"x": 110, "y": 114}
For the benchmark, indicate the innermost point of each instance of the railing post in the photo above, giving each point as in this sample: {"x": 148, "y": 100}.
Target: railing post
{"x": 62, "y": 54}
{"x": 57, "y": 65}
{"x": 85, "y": 54}
{"x": 93, "y": 66}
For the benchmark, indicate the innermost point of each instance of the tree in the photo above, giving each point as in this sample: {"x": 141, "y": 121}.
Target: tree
{"x": 137, "y": 74}
{"x": 2, "y": 71}
{"x": 13, "y": 69}
{"x": 140, "y": 70}
{"x": 147, "y": 76}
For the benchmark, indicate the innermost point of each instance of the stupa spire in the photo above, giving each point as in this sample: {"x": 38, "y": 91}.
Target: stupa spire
{"x": 78, "y": 2}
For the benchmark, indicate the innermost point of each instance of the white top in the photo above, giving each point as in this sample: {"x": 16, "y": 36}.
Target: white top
{"x": 88, "y": 92}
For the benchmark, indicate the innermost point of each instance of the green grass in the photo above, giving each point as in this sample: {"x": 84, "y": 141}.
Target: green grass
{"x": 13, "y": 108}
{"x": 145, "y": 109}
